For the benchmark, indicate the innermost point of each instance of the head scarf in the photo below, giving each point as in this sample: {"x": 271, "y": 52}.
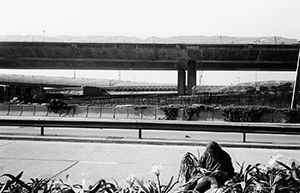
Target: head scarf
{"x": 214, "y": 149}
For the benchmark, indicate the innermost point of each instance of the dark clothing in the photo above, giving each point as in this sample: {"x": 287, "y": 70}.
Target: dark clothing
{"x": 221, "y": 161}
{"x": 215, "y": 160}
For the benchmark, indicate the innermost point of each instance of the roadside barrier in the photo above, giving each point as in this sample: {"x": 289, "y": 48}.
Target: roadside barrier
{"x": 93, "y": 112}
{"x": 15, "y": 110}
{"x": 107, "y": 112}
{"x": 4, "y": 109}
{"x": 80, "y": 111}
{"x": 122, "y": 112}
{"x": 138, "y": 118}
{"x": 134, "y": 113}
{"x": 142, "y": 125}
{"x": 159, "y": 114}
{"x": 28, "y": 110}
{"x": 41, "y": 111}
{"x": 148, "y": 113}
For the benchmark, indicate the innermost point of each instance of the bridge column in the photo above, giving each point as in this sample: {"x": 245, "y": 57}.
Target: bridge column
{"x": 181, "y": 82}
{"x": 192, "y": 76}
{"x": 296, "y": 85}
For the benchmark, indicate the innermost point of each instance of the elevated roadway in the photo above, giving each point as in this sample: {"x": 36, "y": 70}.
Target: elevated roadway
{"x": 134, "y": 56}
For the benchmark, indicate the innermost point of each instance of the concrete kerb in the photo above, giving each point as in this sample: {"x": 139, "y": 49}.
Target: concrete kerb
{"x": 72, "y": 139}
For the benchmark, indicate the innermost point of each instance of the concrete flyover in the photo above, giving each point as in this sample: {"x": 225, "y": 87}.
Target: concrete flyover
{"x": 135, "y": 56}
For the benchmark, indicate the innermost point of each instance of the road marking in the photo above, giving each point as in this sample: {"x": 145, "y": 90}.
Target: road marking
{"x": 94, "y": 162}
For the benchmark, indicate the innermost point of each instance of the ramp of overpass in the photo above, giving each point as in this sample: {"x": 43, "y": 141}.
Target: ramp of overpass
{"x": 107, "y": 84}
{"x": 54, "y": 81}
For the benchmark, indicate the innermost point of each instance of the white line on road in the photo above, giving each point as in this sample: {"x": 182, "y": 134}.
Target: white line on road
{"x": 94, "y": 162}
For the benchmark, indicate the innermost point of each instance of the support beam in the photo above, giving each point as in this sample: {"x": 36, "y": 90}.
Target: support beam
{"x": 296, "y": 85}
{"x": 192, "y": 76}
{"x": 181, "y": 82}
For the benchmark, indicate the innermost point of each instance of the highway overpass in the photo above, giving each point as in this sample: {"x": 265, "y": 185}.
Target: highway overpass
{"x": 184, "y": 58}
{"x": 16, "y": 85}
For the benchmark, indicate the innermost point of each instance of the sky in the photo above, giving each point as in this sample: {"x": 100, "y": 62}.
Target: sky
{"x": 162, "y": 18}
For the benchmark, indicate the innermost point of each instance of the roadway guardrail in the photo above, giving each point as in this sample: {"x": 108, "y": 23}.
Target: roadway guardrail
{"x": 140, "y": 125}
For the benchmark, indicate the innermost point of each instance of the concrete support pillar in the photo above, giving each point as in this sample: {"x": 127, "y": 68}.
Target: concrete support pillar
{"x": 296, "y": 85}
{"x": 12, "y": 91}
{"x": 181, "y": 82}
{"x": 37, "y": 90}
{"x": 192, "y": 76}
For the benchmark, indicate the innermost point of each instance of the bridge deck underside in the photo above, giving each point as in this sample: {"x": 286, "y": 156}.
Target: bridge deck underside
{"x": 112, "y": 56}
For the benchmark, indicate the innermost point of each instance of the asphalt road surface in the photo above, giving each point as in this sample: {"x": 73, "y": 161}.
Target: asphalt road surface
{"x": 95, "y": 161}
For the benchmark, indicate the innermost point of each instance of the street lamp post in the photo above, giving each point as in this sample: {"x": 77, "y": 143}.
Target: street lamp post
{"x": 238, "y": 79}
{"x": 44, "y": 31}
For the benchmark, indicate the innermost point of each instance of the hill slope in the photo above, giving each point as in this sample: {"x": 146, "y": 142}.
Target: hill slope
{"x": 173, "y": 39}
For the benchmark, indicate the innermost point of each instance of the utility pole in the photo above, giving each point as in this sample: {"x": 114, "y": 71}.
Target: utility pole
{"x": 200, "y": 77}
{"x": 239, "y": 79}
{"x": 44, "y": 31}
{"x": 296, "y": 85}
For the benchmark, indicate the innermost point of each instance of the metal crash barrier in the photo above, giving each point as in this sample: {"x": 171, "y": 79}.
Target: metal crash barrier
{"x": 140, "y": 125}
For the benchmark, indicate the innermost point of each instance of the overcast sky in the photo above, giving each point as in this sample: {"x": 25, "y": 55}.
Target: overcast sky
{"x": 163, "y": 18}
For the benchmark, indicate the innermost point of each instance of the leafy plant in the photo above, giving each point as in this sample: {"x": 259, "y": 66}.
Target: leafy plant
{"x": 152, "y": 187}
{"x": 292, "y": 115}
{"x": 59, "y": 106}
{"x": 243, "y": 114}
{"x": 171, "y": 111}
{"x": 255, "y": 178}
{"x": 188, "y": 166}
{"x": 103, "y": 187}
{"x": 195, "y": 109}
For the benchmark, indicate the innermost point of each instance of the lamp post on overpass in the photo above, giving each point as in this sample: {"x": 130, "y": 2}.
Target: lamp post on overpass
{"x": 239, "y": 79}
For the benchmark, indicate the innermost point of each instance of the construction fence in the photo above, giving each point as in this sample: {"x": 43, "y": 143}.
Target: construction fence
{"x": 282, "y": 100}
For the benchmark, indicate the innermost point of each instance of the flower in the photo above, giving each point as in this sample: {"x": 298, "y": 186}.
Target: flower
{"x": 56, "y": 183}
{"x": 157, "y": 169}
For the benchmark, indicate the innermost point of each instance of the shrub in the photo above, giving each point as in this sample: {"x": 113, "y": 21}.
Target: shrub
{"x": 190, "y": 111}
{"x": 243, "y": 114}
{"x": 59, "y": 106}
{"x": 171, "y": 111}
{"x": 292, "y": 115}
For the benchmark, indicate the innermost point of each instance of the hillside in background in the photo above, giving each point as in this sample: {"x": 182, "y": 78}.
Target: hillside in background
{"x": 173, "y": 39}
{"x": 261, "y": 87}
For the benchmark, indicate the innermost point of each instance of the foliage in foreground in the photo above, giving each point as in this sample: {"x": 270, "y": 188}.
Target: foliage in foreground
{"x": 45, "y": 185}
{"x": 257, "y": 178}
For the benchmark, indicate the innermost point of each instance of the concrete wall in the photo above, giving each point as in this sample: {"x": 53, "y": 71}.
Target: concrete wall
{"x": 122, "y": 112}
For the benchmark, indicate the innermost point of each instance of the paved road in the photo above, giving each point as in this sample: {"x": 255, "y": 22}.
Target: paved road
{"x": 109, "y": 161}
